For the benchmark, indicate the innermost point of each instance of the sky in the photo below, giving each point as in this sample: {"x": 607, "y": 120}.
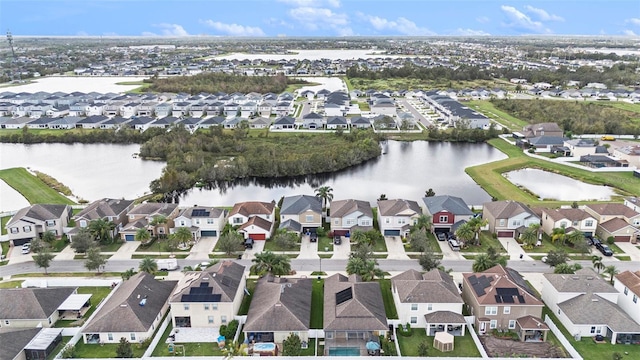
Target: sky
{"x": 322, "y": 18}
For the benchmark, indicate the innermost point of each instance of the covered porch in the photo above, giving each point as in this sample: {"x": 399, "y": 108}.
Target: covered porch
{"x": 438, "y": 321}
{"x": 531, "y": 329}
{"x": 74, "y": 307}
{"x": 349, "y": 343}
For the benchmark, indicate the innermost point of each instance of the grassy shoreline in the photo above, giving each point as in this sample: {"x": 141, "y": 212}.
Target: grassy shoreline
{"x": 32, "y": 188}
{"x": 489, "y": 176}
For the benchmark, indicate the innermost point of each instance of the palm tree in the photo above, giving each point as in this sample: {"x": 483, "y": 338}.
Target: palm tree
{"x": 382, "y": 197}
{"x": 268, "y": 262}
{"x": 429, "y": 193}
{"x": 371, "y": 271}
{"x": 183, "y": 235}
{"x": 356, "y": 265}
{"x": 597, "y": 263}
{"x": 148, "y": 265}
{"x": 325, "y": 193}
{"x": 102, "y": 230}
{"x": 465, "y": 232}
{"x": 482, "y": 263}
{"x": 612, "y": 271}
{"x": 143, "y": 235}
{"x": 359, "y": 237}
{"x": 529, "y": 236}
{"x": 575, "y": 236}
{"x": 477, "y": 224}
{"x": 559, "y": 234}
{"x": 423, "y": 222}
{"x": 157, "y": 222}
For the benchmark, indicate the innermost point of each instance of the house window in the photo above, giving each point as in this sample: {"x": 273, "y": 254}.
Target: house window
{"x": 110, "y": 337}
{"x": 309, "y": 218}
{"x": 593, "y": 330}
{"x": 429, "y": 307}
{"x": 237, "y": 220}
{"x": 635, "y": 299}
{"x": 214, "y": 306}
{"x": 414, "y": 307}
{"x": 14, "y": 230}
{"x": 210, "y": 319}
{"x": 51, "y": 222}
{"x": 491, "y": 310}
{"x": 516, "y": 223}
{"x": 512, "y": 324}
{"x": 387, "y": 220}
{"x": 493, "y": 324}
{"x": 223, "y": 319}
{"x": 186, "y": 306}
{"x": 133, "y": 336}
{"x": 336, "y": 221}
{"x": 575, "y": 223}
{"x": 400, "y": 221}
{"x": 210, "y": 221}
{"x": 83, "y": 223}
{"x": 26, "y": 228}
{"x": 131, "y": 217}
{"x": 182, "y": 223}
{"x": 502, "y": 222}
{"x": 268, "y": 217}
{"x": 206, "y": 306}
{"x": 588, "y": 223}
{"x": 626, "y": 290}
{"x": 414, "y": 319}
{"x": 444, "y": 218}
{"x": 507, "y": 310}
{"x": 366, "y": 222}
{"x": 563, "y": 224}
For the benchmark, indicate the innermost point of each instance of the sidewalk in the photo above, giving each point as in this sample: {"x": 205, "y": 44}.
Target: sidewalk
{"x": 629, "y": 249}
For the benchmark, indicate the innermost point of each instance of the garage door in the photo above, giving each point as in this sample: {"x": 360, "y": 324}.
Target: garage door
{"x": 392, "y": 233}
{"x": 441, "y": 230}
{"x": 20, "y": 242}
{"x": 209, "y": 233}
{"x": 129, "y": 237}
{"x": 506, "y": 234}
{"x": 622, "y": 238}
{"x": 340, "y": 232}
{"x": 258, "y": 236}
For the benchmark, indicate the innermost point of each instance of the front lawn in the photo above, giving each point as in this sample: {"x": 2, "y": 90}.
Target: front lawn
{"x": 157, "y": 246}
{"x": 113, "y": 247}
{"x": 387, "y": 297}
{"x": 486, "y": 240}
{"x": 272, "y": 246}
{"x": 91, "y": 351}
{"x": 3, "y": 222}
{"x": 325, "y": 242}
{"x": 11, "y": 284}
{"x": 317, "y": 299}
{"x": 463, "y": 345}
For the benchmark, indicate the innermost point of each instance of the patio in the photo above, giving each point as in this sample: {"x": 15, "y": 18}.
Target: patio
{"x": 194, "y": 335}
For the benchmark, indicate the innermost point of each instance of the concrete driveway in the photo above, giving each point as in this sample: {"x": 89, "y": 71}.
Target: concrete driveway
{"x": 447, "y": 253}
{"x": 126, "y": 250}
{"x": 395, "y": 248}
{"x": 258, "y": 247}
{"x": 343, "y": 250}
{"x": 308, "y": 250}
{"x": 202, "y": 248}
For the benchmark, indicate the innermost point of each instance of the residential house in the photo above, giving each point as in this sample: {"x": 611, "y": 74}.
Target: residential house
{"x": 248, "y": 109}
{"x": 395, "y": 217}
{"x": 337, "y": 122}
{"x": 587, "y": 306}
{"x": 312, "y": 121}
{"x": 508, "y": 218}
{"x": 91, "y": 122}
{"x": 570, "y": 219}
{"x": 15, "y": 122}
{"x": 201, "y": 220}
{"x": 67, "y": 122}
{"x": 198, "y": 110}
{"x": 95, "y": 109}
{"x": 212, "y": 121}
{"x": 360, "y": 122}
{"x": 302, "y": 213}
{"x": 284, "y": 122}
{"x": 40, "y": 109}
{"x": 141, "y": 123}
{"x": 430, "y": 300}
{"x": 133, "y": 311}
{"x": 581, "y": 147}
{"x": 259, "y": 123}
{"x": 384, "y": 107}
{"x": 615, "y": 220}
{"x": 633, "y": 203}
{"x": 142, "y": 216}
{"x": 629, "y": 153}
{"x": 113, "y": 123}
{"x": 446, "y": 211}
{"x": 279, "y": 307}
{"x": 246, "y": 214}
{"x": 113, "y": 210}
{"x": 40, "y": 123}
{"x": 163, "y": 109}
{"x": 180, "y": 108}
{"x": 349, "y": 215}
{"x": 628, "y": 285}
{"x": 15, "y": 340}
{"x": 58, "y": 111}
{"x": 208, "y": 298}
{"x": 32, "y": 221}
{"x": 353, "y": 310}
{"x": 32, "y": 307}
{"x": 146, "y": 109}
{"x": 543, "y": 129}
{"x": 500, "y": 298}
{"x": 110, "y": 109}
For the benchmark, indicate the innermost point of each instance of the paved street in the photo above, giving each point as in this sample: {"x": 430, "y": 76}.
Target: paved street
{"x": 416, "y": 114}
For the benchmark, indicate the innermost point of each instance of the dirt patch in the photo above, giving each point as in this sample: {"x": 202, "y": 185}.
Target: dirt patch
{"x": 510, "y": 348}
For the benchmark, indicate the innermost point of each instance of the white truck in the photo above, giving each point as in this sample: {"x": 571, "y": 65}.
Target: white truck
{"x": 167, "y": 264}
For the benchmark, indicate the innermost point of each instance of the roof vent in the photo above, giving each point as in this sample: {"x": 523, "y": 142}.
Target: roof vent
{"x": 589, "y": 277}
{"x": 123, "y": 305}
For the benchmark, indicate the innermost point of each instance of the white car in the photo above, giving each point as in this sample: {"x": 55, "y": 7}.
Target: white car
{"x": 26, "y": 250}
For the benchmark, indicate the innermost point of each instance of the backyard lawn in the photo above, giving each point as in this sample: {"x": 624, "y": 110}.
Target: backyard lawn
{"x": 463, "y": 345}
{"x": 389, "y": 305}
{"x": 59, "y": 347}
{"x": 32, "y": 188}
{"x": 246, "y": 300}
{"x": 91, "y": 351}
{"x": 98, "y": 294}
{"x": 317, "y": 299}
{"x": 190, "y": 349}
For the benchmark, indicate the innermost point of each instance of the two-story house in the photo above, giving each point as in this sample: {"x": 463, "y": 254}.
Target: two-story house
{"x": 301, "y": 213}
{"x": 114, "y": 210}
{"x": 142, "y": 217}
{"x": 570, "y": 219}
{"x": 445, "y": 211}
{"x": 430, "y": 300}
{"x": 615, "y": 220}
{"x": 628, "y": 285}
{"x": 208, "y": 298}
{"x": 587, "y": 306}
{"x": 395, "y": 217}
{"x": 255, "y": 218}
{"x": 32, "y": 221}
{"x": 348, "y": 215}
{"x": 500, "y": 298}
{"x": 202, "y": 220}
{"x": 508, "y": 218}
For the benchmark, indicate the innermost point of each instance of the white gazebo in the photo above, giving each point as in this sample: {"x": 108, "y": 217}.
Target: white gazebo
{"x": 443, "y": 341}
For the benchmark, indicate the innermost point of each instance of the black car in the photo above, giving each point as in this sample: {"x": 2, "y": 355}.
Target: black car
{"x": 248, "y": 243}
{"x": 441, "y": 237}
{"x": 313, "y": 237}
{"x": 604, "y": 249}
{"x": 337, "y": 240}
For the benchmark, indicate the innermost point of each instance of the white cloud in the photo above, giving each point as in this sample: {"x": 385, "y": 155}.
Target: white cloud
{"x": 234, "y": 29}
{"x": 542, "y": 14}
{"x": 470, "y": 32}
{"x": 521, "y": 21}
{"x": 312, "y": 3}
{"x": 171, "y": 30}
{"x": 634, "y": 21}
{"x": 82, "y": 33}
{"x": 482, "y": 19}
{"x": 149, "y": 33}
{"x": 401, "y": 25}
{"x": 322, "y": 18}
{"x": 629, "y": 33}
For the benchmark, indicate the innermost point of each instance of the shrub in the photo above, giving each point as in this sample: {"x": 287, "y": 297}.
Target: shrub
{"x": 405, "y": 330}
{"x": 611, "y": 240}
{"x": 69, "y": 351}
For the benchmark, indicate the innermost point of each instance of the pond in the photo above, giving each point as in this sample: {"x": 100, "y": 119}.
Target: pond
{"x": 547, "y": 185}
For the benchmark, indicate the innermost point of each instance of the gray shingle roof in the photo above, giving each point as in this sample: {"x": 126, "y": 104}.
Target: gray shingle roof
{"x": 122, "y": 312}
{"x": 592, "y": 309}
{"x": 223, "y": 278}
{"x": 14, "y": 340}
{"x": 506, "y": 209}
{"x": 280, "y": 304}
{"x": 40, "y": 212}
{"x": 32, "y": 303}
{"x": 102, "y": 208}
{"x": 444, "y": 317}
{"x": 291, "y": 225}
{"x": 434, "y": 286}
{"x": 449, "y": 203}
{"x": 293, "y": 205}
{"x": 363, "y": 311}
{"x": 584, "y": 280}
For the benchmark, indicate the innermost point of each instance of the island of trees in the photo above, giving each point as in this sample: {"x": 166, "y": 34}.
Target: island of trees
{"x": 221, "y": 82}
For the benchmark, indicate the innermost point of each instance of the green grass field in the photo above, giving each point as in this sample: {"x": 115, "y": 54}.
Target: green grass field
{"x": 463, "y": 345}
{"x": 503, "y": 118}
{"x": 489, "y": 176}
{"x": 32, "y": 188}
{"x": 246, "y": 300}
{"x": 91, "y": 351}
{"x": 190, "y": 349}
{"x": 317, "y": 299}
{"x": 389, "y": 305}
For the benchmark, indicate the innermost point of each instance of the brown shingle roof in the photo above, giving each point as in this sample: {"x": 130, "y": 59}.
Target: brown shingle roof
{"x": 569, "y": 214}
{"x": 506, "y": 209}
{"x": 614, "y": 209}
{"x": 252, "y": 208}
{"x": 614, "y": 225}
{"x": 340, "y": 208}
{"x": 40, "y": 212}
{"x": 103, "y": 208}
{"x": 363, "y": 310}
{"x": 444, "y": 317}
{"x": 500, "y": 278}
{"x": 399, "y": 206}
{"x": 257, "y": 221}
{"x": 631, "y": 280}
{"x": 434, "y": 286}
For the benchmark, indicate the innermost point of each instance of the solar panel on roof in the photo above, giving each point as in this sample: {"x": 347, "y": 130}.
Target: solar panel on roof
{"x": 521, "y": 299}
{"x": 479, "y": 289}
{"x": 201, "y": 298}
{"x": 473, "y": 280}
{"x": 344, "y": 295}
{"x": 507, "y": 299}
{"x": 204, "y": 284}
{"x": 507, "y": 291}
{"x": 498, "y": 299}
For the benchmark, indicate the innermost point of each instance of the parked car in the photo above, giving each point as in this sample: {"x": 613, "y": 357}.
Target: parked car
{"x": 604, "y": 249}
{"x": 248, "y": 243}
{"x": 313, "y": 237}
{"x": 337, "y": 240}
{"x": 442, "y": 237}
{"x": 454, "y": 244}
{"x": 26, "y": 248}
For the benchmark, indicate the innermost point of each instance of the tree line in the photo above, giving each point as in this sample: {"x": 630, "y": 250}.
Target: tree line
{"x": 93, "y": 136}
{"x": 220, "y": 82}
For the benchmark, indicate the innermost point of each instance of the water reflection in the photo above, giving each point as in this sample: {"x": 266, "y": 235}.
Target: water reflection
{"x": 564, "y": 188}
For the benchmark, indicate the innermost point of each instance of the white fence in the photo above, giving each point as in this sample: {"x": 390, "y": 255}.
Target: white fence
{"x": 56, "y": 282}
{"x": 567, "y": 345}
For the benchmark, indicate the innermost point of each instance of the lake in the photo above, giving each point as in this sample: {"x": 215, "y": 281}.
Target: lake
{"x": 94, "y": 171}
{"x": 547, "y": 185}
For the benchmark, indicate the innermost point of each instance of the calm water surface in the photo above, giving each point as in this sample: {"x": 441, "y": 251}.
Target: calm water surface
{"x": 563, "y": 188}
{"x": 93, "y": 171}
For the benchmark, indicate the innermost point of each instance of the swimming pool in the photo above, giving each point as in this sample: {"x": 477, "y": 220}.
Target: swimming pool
{"x": 344, "y": 351}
